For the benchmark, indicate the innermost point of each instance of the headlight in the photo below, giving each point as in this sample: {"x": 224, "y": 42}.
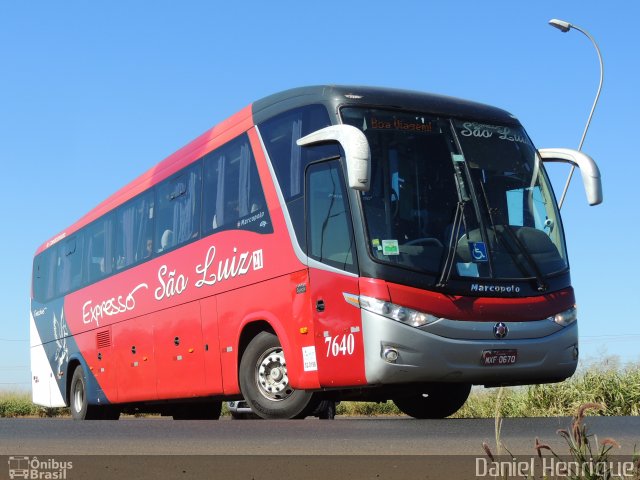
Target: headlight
{"x": 565, "y": 318}
{"x": 395, "y": 312}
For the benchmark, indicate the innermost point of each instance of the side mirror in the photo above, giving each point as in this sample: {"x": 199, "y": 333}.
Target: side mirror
{"x": 356, "y": 150}
{"x": 588, "y": 169}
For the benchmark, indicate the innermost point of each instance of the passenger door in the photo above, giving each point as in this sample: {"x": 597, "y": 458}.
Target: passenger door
{"x": 333, "y": 277}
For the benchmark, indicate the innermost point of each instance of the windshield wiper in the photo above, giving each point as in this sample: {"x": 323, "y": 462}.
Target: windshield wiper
{"x": 522, "y": 249}
{"x": 445, "y": 275}
{"x": 542, "y": 285}
{"x": 458, "y": 220}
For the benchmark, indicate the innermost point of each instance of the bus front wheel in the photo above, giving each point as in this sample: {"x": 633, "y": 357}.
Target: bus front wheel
{"x": 264, "y": 381}
{"x": 435, "y": 400}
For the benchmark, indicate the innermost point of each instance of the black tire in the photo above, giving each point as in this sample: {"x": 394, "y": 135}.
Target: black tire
{"x": 326, "y": 410}
{"x": 434, "y": 400}
{"x": 79, "y": 402}
{"x": 264, "y": 382}
{"x": 197, "y": 411}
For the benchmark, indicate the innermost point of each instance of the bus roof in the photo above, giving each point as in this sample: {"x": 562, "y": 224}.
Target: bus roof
{"x": 332, "y": 96}
{"x": 335, "y": 96}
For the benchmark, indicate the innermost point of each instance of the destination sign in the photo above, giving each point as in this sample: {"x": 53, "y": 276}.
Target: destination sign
{"x": 382, "y": 123}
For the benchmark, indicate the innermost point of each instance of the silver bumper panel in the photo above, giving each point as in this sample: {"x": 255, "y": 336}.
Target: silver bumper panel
{"x": 548, "y": 354}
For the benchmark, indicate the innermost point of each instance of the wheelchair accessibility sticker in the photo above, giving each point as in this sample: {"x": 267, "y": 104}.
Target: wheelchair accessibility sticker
{"x": 478, "y": 251}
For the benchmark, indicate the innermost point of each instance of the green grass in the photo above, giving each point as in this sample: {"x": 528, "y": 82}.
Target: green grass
{"x": 18, "y": 404}
{"x": 367, "y": 409}
{"x": 617, "y": 388}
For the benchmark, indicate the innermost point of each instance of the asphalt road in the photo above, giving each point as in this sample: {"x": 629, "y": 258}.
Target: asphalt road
{"x": 343, "y": 436}
{"x": 354, "y": 448}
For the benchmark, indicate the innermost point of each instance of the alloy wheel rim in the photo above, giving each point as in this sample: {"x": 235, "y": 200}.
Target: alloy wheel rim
{"x": 271, "y": 375}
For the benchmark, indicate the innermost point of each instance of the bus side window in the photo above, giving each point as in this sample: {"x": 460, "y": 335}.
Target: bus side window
{"x": 44, "y": 274}
{"x": 98, "y": 256}
{"x": 178, "y": 209}
{"x": 134, "y": 231}
{"x": 213, "y": 178}
{"x": 69, "y": 265}
{"x": 329, "y": 230}
{"x": 289, "y": 160}
{"x": 233, "y": 194}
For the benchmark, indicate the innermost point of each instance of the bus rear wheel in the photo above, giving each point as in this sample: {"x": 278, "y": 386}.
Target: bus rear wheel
{"x": 434, "y": 400}
{"x": 264, "y": 381}
{"x": 79, "y": 402}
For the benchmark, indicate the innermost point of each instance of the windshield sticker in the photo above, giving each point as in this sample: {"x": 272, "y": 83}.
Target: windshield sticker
{"x": 467, "y": 269}
{"x": 390, "y": 247}
{"x": 478, "y": 251}
{"x": 457, "y": 157}
{"x": 376, "y": 244}
{"x": 481, "y": 130}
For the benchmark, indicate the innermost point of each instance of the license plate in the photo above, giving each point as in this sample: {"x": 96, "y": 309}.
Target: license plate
{"x": 493, "y": 358}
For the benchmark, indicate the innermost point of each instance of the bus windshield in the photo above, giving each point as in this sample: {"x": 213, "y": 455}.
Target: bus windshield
{"x": 458, "y": 198}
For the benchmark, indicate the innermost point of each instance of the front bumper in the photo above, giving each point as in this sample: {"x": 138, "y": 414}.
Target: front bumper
{"x": 452, "y": 352}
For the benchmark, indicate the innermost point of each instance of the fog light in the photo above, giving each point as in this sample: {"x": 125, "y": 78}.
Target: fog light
{"x": 575, "y": 353}
{"x": 390, "y": 355}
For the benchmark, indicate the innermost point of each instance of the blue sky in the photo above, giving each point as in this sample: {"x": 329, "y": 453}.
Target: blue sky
{"x": 93, "y": 94}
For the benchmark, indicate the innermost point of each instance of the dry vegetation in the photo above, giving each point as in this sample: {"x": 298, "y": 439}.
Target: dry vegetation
{"x": 617, "y": 388}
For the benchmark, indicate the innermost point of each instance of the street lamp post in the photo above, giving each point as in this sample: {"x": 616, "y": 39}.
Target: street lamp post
{"x": 565, "y": 27}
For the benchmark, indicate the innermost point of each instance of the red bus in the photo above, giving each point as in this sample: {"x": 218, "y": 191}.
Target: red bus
{"x": 324, "y": 243}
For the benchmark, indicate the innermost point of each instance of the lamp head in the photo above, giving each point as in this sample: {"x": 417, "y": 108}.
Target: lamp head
{"x": 560, "y": 24}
